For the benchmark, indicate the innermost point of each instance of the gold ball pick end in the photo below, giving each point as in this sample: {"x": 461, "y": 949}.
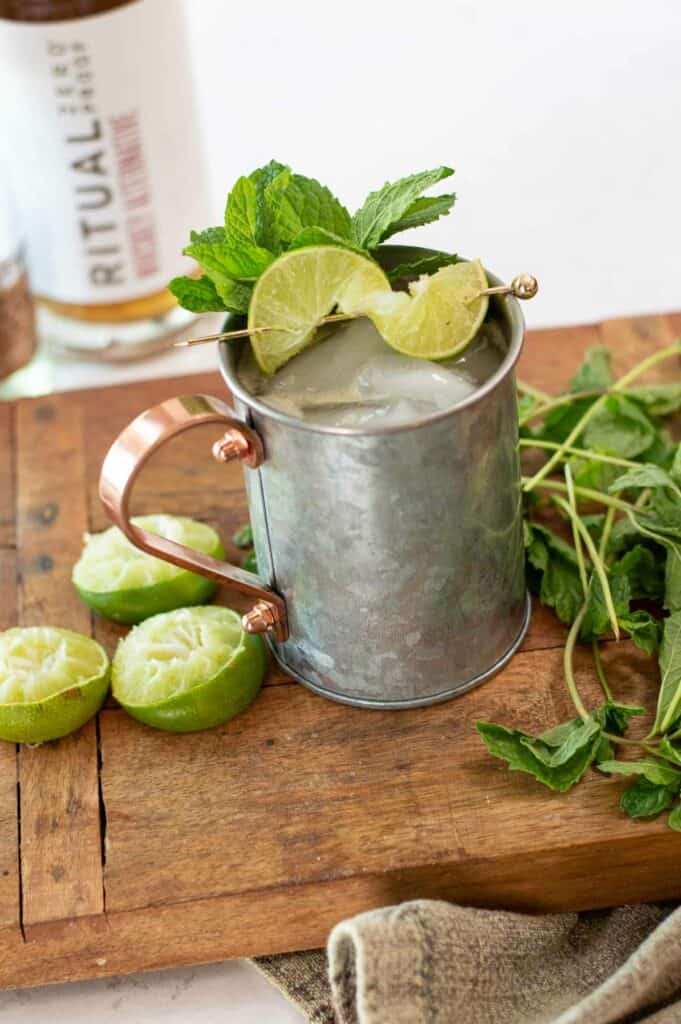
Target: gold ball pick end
{"x": 524, "y": 286}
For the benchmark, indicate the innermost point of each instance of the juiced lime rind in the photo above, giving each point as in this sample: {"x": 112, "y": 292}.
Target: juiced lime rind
{"x": 110, "y": 565}
{"x": 140, "y": 604}
{"x": 34, "y": 657}
{"x": 224, "y": 680}
{"x": 439, "y": 317}
{"x": 300, "y": 288}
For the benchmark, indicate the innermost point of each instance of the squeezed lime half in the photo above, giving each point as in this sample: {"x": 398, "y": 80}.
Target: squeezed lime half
{"x": 188, "y": 669}
{"x": 51, "y": 682}
{"x": 298, "y": 290}
{"x": 124, "y": 584}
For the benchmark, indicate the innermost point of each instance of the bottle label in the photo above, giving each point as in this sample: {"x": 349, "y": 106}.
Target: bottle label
{"x": 104, "y": 149}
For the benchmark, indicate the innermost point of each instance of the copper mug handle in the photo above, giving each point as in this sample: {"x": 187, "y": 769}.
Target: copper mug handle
{"x": 127, "y": 456}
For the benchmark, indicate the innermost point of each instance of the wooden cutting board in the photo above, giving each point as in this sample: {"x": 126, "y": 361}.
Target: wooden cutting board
{"x": 124, "y": 849}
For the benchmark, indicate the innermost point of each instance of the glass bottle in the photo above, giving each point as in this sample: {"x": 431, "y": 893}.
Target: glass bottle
{"x": 106, "y": 161}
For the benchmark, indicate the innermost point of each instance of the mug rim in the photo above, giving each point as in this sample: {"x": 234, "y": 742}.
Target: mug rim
{"x": 513, "y": 316}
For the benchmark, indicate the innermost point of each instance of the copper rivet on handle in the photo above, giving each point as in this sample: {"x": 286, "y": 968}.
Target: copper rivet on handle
{"x": 230, "y": 446}
{"x": 262, "y": 618}
{"x": 235, "y": 444}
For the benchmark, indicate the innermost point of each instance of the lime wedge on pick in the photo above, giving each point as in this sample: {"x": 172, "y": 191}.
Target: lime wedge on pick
{"x": 298, "y": 290}
{"x": 51, "y": 682}
{"x": 438, "y": 318}
{"x": 189, "y": 669}
{"x": 123, "y": 583}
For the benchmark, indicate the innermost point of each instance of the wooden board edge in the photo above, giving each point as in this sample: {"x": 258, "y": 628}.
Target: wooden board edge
{"x": 289, "y": 918}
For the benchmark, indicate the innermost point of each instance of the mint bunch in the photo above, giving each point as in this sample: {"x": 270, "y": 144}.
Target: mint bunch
{"x": 608, "y": 446}
{"x": 273, "y": 209}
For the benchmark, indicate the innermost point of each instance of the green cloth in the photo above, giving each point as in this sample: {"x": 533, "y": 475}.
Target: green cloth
{"x": 429, "y": 962}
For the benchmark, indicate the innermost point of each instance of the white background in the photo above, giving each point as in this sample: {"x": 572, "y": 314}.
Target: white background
{"x": 563, "y": 122}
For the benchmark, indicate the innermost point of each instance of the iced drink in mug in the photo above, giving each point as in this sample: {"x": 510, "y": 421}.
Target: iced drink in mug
{"x": 384, "y": 496}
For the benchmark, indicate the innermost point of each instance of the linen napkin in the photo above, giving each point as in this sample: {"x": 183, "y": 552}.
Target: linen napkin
{"x": 430, "y": 962}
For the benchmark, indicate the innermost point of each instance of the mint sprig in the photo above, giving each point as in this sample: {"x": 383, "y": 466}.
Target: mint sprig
{"x": 274, "y": 209}
{"x": 628, "y": 554}
{"x": 382, "y": 211}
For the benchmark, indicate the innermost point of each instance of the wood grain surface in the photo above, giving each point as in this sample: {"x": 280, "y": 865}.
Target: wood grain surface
{"x": 123, "y": 848}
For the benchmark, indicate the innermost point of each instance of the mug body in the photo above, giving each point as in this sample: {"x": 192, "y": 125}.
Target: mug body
{"x": 398, "y": 550}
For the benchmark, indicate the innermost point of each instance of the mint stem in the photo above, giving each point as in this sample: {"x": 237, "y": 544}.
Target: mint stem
{"x": 597, "y": 563}
{"x": 598, "y": 661}
{"x": 568, "y": 653}
{"x": 533, "y": 392}
{"x": 589, "y": 495}
{"x": 556, "y": 403}
{"x": 584, "y": 453}
{"x": 605, "y": 536}
{"x": 575, "y": 532}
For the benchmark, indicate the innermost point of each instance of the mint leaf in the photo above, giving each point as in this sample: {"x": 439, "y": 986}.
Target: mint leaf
{"x": 660, "y": 773}
{"x": 198, "y": 295}
{"x": 243, "y": 263}
{"x": 557, "y": 746}
{"x": 644, "y": 571}
{"x": 672, "y": 574}
{"x": 525, "y": 753}
{"x": 382, "y": 209}
{"x": 665, "y": 511}
{"x": 210, "y": 235}
{"x": 319, "y": 236}
{"x": 596, "y": 620}
{"x": 241, "y": 214}
{"x": 615, "y": 717}
{"x": 304, "y": 203}
{"x": 422, "y": 211}
{"x": 236, "y": 295}
{"x": 669, "y": 700}
{"x": 643, "y": 629}
{"x": 658, "y": 399}
{"x": 593, "y": 473}
{"x": 270, "y": 181}
{"x": 645, "y": 799}
{"x": 250, "y": 562}
{"x": 675, "y": 471}
{"x": 674, "y": 819}
{"x": 595, "y": 373}
{"x": 620, "y": 428}
{"x": 645, "y": 475}
{"x": 670, "y": 750}
{"x": 243, "y": 537}
{"x": 218, "y": 256}
{"x": 630, "y": 577}
{"x": 420, "y": 265}
{"x": 552, "y": 573}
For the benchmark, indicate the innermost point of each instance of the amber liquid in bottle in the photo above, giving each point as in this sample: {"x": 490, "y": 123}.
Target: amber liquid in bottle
{"x": 111, "y": 174}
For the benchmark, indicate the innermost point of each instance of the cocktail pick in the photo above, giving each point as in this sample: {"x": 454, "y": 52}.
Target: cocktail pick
{"x": 524, "y": 286}
{"x": 245, "y": 332}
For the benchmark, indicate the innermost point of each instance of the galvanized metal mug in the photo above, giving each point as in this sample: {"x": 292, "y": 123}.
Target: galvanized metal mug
{"x": 391, "y": 558}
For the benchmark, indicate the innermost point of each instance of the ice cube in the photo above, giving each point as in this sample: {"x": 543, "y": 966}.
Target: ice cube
{"x": 352, "y": 378}
{"x": 394, "y": 376}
